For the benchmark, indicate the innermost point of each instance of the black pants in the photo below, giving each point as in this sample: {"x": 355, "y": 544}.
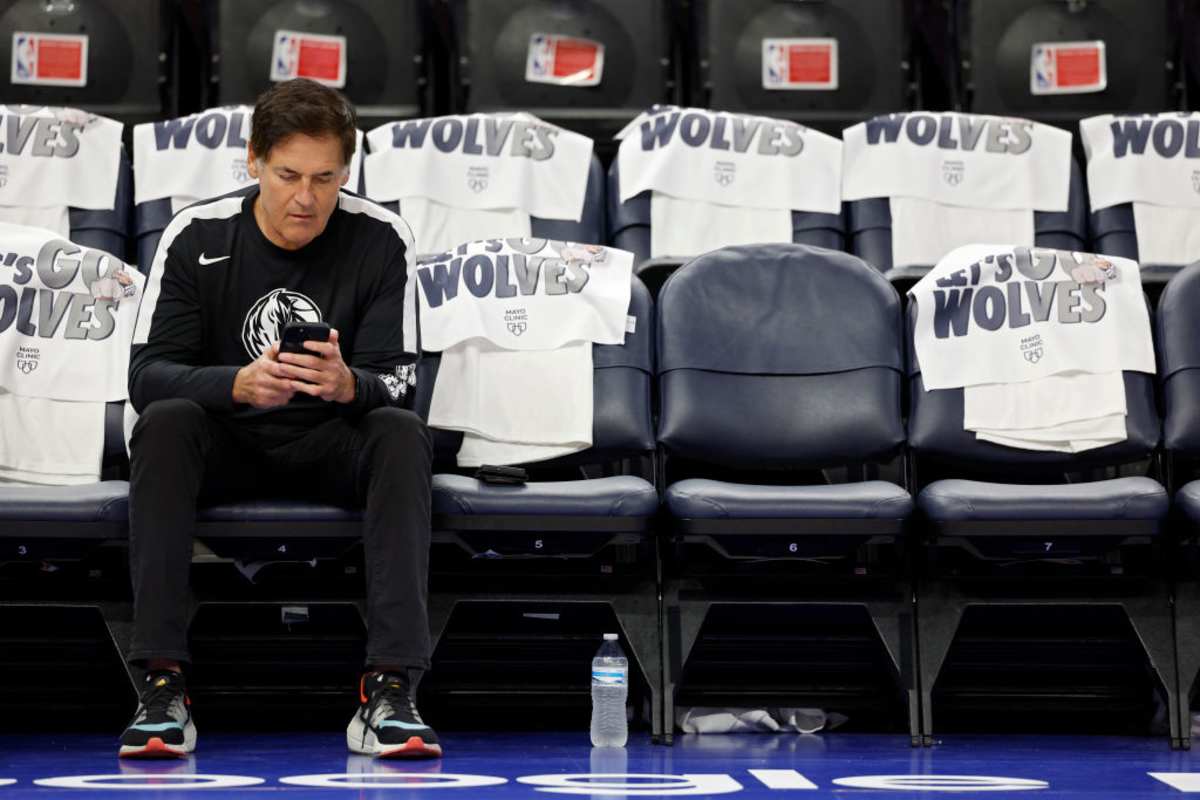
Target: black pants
{"x": 181, "y": 455}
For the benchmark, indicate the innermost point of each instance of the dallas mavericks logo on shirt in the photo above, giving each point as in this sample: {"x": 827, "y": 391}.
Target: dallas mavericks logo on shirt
{"x": 265, "y": 320}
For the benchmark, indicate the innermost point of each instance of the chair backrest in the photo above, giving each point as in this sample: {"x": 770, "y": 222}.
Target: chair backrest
{"x": 869, "y": 225}
{"x": 728, "y": 74}
{"x": 935, "y": 430}
{"x": 622, "y": 425}
{"x": 629, "y": 222}
{"x": 1177, "y": 324}
{"x": 385, "y": 52}
{"x": 107, "y": 230}
{"x": 126, "y": 65}
{"x": 588, "y": 230}
{"x": 779, "y": 356}
{"x": 999, "y": 41}
{"x": 509, "y": 56}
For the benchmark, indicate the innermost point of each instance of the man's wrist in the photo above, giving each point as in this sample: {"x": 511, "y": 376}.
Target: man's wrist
{"x": 349, "y": 388}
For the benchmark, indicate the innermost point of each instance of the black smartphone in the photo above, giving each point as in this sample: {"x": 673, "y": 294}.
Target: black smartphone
{"x": 295, "y": 334}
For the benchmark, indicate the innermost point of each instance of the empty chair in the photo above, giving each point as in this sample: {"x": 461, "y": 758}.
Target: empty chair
{"x": 110, "y": 57}
{"x": 697, "y": 180}
{"x": 589, "y": 66}
{"x": 1143, "y": 192}
{"x": 1061, "y": 61}
{"x": 537, "y": 180}
{"x": 374, "y": 51}
{"x": 579, "y": 530}
{"x": 826, "y": 65}
{"x": 921, "y": 184}
{"x": 1178, "y": 333}
{"x": 1007, "y": 526}
{"x": 780, "y": 370}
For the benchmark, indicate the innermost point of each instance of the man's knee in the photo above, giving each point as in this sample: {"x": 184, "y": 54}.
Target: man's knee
{"x": 169, "y": 419}
{"x": 396, "y": 427}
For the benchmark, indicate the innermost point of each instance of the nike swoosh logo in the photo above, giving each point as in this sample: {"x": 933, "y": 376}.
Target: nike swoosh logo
{"x": 204, "y": 262}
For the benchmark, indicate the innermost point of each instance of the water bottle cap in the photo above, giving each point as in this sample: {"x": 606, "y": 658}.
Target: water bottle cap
{"x": 610, "y": 637}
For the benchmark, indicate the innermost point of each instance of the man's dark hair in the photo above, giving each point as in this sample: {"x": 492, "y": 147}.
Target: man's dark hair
{"x": 302, "y": 106}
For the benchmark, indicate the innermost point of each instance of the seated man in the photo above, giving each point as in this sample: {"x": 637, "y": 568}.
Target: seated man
{"x": 224, "y": 413}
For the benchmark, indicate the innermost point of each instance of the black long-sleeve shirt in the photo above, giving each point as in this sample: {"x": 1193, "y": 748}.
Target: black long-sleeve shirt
{"x": 219, "y": 293}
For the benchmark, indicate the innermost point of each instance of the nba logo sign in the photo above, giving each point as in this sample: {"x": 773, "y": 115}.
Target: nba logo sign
{"x": 807, "y": 64}
{"x": 1068, "y": 67}
{"x": 49, "y": 59}
{"x": 564, "y": 60}
{"x": 309, "y": 55}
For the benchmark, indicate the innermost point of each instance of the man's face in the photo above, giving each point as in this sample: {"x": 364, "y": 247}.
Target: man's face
{"x": 298, "y": 188}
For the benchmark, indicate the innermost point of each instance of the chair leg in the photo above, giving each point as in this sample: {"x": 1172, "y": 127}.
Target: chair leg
{"x": 680, "y": 632}
{"x": 939, "y": 612}
{"x": 1187, "y": 648}
{"x": 1151, "y": 618}
{"x": 639, "y": 618}
{"x": 896, "y": 625}
{"x": 118, "y": 619}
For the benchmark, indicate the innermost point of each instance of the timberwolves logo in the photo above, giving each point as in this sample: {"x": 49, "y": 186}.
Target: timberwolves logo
{"x": 265, "y": 320}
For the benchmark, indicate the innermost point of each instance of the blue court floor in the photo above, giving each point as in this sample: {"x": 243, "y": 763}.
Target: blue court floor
{"x": 487, "y": 766}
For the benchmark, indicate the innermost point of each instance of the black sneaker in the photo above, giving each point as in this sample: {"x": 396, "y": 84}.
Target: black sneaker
{"x": 387, "y": 723}
{"x": 162, "y": 726}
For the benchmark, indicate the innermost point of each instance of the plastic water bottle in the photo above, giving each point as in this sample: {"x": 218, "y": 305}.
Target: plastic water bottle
{"x": 610, "y": 686}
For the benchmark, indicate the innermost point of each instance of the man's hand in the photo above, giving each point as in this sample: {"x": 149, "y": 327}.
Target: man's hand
{"x": 323, "y": 374}
{"x": 262, "y": 383}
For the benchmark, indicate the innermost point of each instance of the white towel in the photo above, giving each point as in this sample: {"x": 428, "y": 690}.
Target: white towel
{"x": 686, "y": 228}
{"x": 925, "y": 230}
{"x": 438, "y": 227}
{"x": 1038, "y": 340}
{"x": 514, "y": 406}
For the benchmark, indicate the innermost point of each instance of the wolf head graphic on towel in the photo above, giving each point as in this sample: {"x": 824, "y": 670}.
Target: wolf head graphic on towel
{"x": 1088, "y": 267}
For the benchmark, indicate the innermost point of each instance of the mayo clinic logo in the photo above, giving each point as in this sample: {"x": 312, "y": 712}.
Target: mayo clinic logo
{"x": 1195, "y": 181}
{"x": 3, "y": 175}
{"x": 724, "y": 172}
{"x": 477, "y": 179}
{"x": 241, "y": 173}
{"x": 28, "y": 359}
{"x": 953, "y": 172}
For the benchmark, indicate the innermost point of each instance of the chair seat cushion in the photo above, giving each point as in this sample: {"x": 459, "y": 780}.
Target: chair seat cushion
{"x": 277, "y": 511}
{"x": 1117, "y": 499}
{"x": 1187, "y": 499}
{"x": 105, "y": 501}
{"x": 698, "y": 498}
{"x": 614, "y": 496}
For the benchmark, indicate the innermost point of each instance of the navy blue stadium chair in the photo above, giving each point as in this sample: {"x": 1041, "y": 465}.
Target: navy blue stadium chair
{"x": 1003, "y": 526}
{"x": 1178, "y": 327}
{"x": 490, "y": 52}
{"x": 103, "y": 229}
{"x": 579, "y": 531}
{"x": 874, "y": 75}
{"x": 869, "y": 227}
{"x": 629, "y": 229}
{"x": 997, "y": 39}
{"x": 388, "y": 54}
{"x": 56, "y": 542}
{"x": 589, "y": 229}
{"x": 776, "y": 363}
{"x": 1113, "y": 233}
